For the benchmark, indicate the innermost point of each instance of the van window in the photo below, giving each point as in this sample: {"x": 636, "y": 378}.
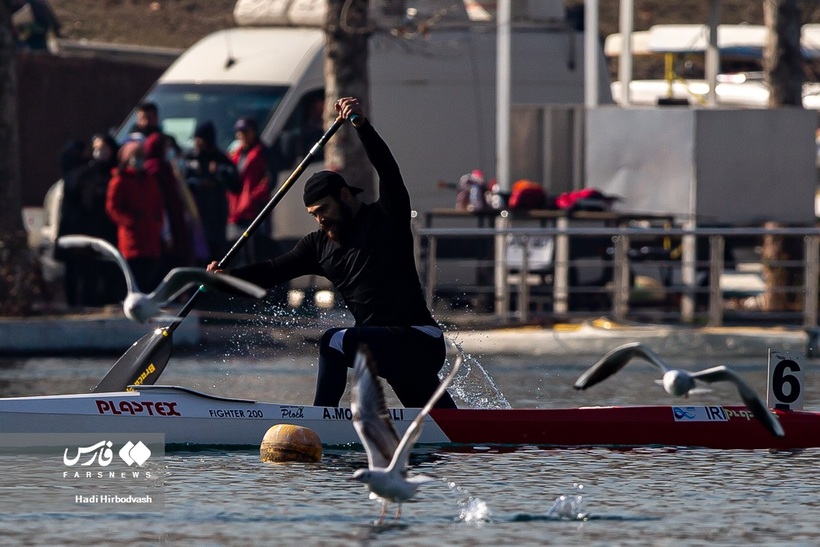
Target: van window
{"x": 183, "y": 106}
{"x": 302, "y": 130}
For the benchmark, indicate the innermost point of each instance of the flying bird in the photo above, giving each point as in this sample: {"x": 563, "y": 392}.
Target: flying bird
{"x": 146, "y": 308}
{"x": 386, "y": 477}
{"x": 679, "y": 382}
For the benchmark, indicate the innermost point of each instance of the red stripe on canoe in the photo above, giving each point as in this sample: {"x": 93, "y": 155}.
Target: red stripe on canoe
{"x": 626, "y": 426}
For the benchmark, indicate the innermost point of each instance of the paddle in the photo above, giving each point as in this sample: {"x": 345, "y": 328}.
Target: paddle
{"x": 145, "y": 360}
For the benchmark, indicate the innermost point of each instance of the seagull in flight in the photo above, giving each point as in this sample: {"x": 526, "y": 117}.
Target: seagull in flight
{"x": 386, "y": 476}
{"x": 679, "y": 382}
{"x": 145, "y": 308}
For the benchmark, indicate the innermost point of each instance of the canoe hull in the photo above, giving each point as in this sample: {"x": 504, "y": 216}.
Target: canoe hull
{"x": 187, "y": 417}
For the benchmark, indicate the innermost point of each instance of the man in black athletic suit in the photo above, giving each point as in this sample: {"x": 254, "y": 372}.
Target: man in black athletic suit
{"x": 366, "y": 251}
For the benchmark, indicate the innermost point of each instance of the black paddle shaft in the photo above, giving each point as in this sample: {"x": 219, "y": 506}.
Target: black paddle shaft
{"x": 145, "y": 360}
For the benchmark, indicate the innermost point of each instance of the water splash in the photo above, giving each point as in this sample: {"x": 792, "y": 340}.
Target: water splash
{"x": 473, "y": 384}
{"x": 262, "y": 327}
{"x": 473, "y": 510}
{"x": 569, "y": 507}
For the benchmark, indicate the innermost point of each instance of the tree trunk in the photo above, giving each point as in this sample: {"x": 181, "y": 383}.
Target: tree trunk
{"x": 783, "y": 59}
{"x": 774, "y": 274}
{"x": 783, "y": 70}
{"x": 19, "y": 273}
{"x": 346, "y": 75}
{"x": 779, "y": 256}
{"x": 10, "y": 201}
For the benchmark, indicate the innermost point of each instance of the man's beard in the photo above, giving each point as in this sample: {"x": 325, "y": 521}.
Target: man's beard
{"x": 339, "y": 230}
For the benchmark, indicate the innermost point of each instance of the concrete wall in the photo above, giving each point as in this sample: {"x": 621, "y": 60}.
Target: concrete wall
{"x": 718, "y": 166}
{"x": 756, "y": 165}
{"x": 546, "y": 145}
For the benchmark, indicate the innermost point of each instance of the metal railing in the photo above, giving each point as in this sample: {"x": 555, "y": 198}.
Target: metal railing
{"x": 693, "y": 279}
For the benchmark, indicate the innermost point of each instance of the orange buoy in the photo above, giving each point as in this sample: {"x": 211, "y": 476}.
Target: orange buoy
{"x": 290, "y": 443}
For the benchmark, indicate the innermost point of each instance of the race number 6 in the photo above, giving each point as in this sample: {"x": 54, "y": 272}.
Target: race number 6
{"x": 785, "y": 382}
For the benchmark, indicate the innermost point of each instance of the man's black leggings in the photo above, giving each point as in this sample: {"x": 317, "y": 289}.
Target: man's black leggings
{"x": 406, "y": 357}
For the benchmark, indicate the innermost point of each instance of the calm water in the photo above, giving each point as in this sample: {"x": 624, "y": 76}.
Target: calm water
{"x": 485, "y": 495}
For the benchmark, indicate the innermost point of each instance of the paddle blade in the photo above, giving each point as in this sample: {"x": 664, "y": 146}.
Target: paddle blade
{"x": 141, "y": 364}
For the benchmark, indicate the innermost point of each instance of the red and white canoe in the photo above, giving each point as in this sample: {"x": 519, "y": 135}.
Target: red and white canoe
{"x": 190, "y": 418}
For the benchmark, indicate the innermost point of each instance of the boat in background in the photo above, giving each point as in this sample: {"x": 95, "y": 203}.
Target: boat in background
{"x": 740, "y": 83}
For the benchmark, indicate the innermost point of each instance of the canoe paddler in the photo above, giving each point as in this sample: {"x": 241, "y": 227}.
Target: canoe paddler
{"x": 366, "y": 251}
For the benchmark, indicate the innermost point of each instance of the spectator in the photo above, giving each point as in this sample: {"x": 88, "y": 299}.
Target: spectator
{"x": 244, "y": 206}
{"x": 147, "y": 119}
{"x": 134, "y": 203}
{"x": 210, "y": 174}
{"x": 104, "y": 150}
{"x": 176, "y": 158}
{"x": 179, "y": 248}
{"x": 73, "y": 160}
{"x": 85, "y": 184}
{"x": 106, "y": 284}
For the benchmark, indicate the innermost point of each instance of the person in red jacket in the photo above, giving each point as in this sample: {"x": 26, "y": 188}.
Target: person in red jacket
{"x": 180, "y": 249}
{"x": 134, "y": 203}
{"x": 244, "y": 206}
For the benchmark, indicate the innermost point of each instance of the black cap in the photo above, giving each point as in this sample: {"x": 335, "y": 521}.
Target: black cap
{"x": 324, "y": 183}
{"x": 207, "y": 132}
{"x": 245, "y": 123}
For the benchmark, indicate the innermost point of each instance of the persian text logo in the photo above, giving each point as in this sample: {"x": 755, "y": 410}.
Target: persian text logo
{"x": 101, "y": 452}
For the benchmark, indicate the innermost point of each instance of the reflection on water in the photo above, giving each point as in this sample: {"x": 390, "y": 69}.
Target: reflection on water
{"x": 483, "y": 494}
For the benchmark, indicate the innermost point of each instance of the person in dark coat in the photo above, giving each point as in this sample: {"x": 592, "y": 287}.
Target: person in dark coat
{"x": 73, "y": 217}
{"x": 210, "y": 174}
{"x": 106, "y": 284}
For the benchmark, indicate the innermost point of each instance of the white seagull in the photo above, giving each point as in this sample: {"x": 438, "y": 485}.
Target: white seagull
{"x": 144, "y": 308}
{"x": 386, "y": 477}
{"x": 679, "y": 382}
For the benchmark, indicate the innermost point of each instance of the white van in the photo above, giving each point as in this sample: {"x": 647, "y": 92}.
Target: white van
{"x": 432, "y": 98}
